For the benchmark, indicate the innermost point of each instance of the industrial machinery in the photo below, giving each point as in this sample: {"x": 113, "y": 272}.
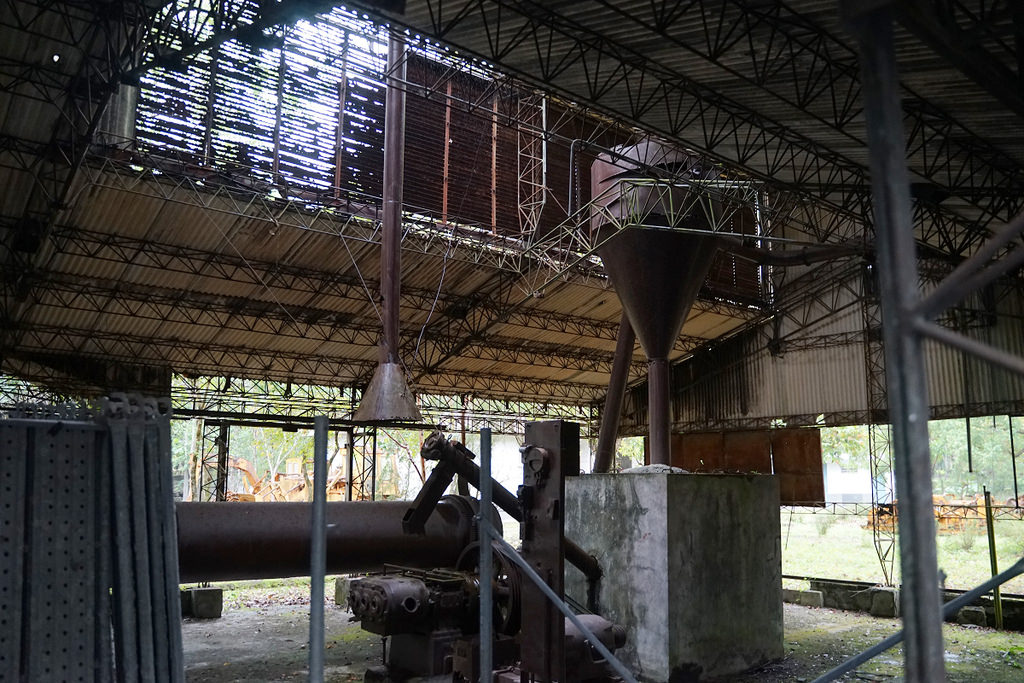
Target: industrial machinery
{"x": 425, "y": 597}
{"x": 431, "y": 616}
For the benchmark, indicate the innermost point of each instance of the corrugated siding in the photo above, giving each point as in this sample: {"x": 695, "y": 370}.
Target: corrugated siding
{"x": 960, "y": 384}
{"x": 819, "y": 368}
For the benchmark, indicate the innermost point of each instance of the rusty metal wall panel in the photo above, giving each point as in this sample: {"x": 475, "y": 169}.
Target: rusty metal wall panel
{"x": 796, "y": 458}
{"x": 747, "y": 452}
{"x": 698, "y": 452}
{"x": 735, "y": 278}
{"x": 742, "y": 451}
{"x": 425, "y": 140}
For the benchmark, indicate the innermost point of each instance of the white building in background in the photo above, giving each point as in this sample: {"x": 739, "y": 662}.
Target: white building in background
{"x": 847, "y": 485}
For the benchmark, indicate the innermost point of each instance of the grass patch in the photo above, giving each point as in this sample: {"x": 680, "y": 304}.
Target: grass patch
{"x": 843, "y": 548}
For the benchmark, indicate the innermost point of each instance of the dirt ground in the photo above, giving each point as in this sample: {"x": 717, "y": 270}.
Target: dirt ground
{"x": 266, "y": 640}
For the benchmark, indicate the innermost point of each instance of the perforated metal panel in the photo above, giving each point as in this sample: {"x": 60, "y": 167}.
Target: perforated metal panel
{"x": 61, "y": 557}
{"x": 63, "y": 484}
{"x": 53, "y": 625}
{"x": 12, "y": 523}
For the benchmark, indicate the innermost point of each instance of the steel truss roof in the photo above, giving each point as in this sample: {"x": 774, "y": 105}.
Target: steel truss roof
{"x": 110, "y": 257}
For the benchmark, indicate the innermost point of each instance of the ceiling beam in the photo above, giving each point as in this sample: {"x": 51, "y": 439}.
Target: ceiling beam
{"x": 935, "y": 25}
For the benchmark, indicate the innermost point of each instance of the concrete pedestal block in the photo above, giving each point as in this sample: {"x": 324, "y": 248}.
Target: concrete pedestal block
{"x": 885, "y": 602}
{"x": 186, "y": 601}
{"x": 972, "y": 615}
{"x": 341, "y": 591}
{"x": 206, "y": 603}
{"x": 692, "y": 568}
{"x": 805, "y": 598}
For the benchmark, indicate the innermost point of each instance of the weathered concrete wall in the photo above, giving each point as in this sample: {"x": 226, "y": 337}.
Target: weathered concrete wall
{"x": 692, "y": 568}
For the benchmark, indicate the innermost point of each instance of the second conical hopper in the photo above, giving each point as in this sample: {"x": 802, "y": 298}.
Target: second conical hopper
{"x": 656, "y": 270}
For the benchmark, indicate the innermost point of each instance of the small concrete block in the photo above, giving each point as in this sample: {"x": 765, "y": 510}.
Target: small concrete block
{"x": 811, "y": 599}
{"x": 341, "y": 591}
{"x": 884, "y": 602}
{"x": 972, "y": 615}
{"x": 207, "y": 603}
{"x": 186, "y": 603}
{"x": 805, "y": 598}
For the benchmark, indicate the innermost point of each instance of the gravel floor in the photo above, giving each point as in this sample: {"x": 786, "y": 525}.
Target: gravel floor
{"x": 267, "y": 642}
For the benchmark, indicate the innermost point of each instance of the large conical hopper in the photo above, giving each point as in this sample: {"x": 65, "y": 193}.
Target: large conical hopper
{"x": 656, "y": 271}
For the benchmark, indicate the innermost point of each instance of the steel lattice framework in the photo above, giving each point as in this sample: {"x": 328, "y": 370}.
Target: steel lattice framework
{"x": 573, "y": 48}
{"x": 768, "y": 94}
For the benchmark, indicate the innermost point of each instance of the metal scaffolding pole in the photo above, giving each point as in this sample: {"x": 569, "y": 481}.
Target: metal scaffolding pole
{"x": 904, "y": 357}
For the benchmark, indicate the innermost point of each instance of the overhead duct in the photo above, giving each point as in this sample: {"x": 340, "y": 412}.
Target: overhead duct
{"x": 388, "y": 397}
{"x": 656, "y": 271}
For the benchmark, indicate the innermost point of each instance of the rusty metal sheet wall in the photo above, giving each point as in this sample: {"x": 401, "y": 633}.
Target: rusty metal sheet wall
{"x": 735, "y": 278}
{"x": 701, "y": 452}
{"x": 733, "y": 452}
{"x": 304, "y": 115}
{"x": 794, "y": 455}
{"x": 747, "y": 452}
{"x": 796, "y": 460}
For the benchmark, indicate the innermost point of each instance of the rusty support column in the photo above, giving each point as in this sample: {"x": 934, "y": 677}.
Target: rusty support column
{"x": 613, "y": 400}
{"x": 394, "y": 159}
{"x": 658, "y": 418}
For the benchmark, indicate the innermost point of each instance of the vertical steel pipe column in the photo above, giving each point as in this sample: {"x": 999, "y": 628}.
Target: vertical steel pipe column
{"x": 387, "y": 398}
{"x": 659, "y": 446}
{"x": 318, "y": 551}
{"x": 394, "y": 172}
{"x": 484, "y": 525}
{"x": 613, "y": 401}
{"x": 905, "y": 371}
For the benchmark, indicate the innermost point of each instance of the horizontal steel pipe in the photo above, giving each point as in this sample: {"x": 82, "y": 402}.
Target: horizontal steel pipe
{"x": 227, "y": 541}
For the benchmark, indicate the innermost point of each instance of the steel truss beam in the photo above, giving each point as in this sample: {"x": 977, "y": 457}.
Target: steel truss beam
{"x": 778, "y": 51}
{"x": 96, "y": 41}
{"x": 195, "y": 309}
{"x": 1004, "y": 512}
{"x": 240, "y": 398}
{"x": 42, "y": 341}
{"x": 362, "y": 464}
{"x": 969, "y": 37}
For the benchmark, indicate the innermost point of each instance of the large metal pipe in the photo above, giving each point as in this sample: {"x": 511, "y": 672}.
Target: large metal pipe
{"x": 226, "y": 541}
{"x": 616, "y": 391}
{"x": 394, "y": 173}
{"x": 388, "y": 398}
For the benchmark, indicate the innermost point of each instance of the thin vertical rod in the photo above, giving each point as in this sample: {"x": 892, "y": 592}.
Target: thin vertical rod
{"x": 1013, "y": 463}
{"x": 318, "y": 552}
{"x": 659, "y": 441}
{"x": 349, "y": 464}
{"x": 906, "y": 386}
{"x": 616, "y": 391}
{"x": 394, "y": 159}
{"x": 990, "y": 527}
{"x": 486, "y": 604}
